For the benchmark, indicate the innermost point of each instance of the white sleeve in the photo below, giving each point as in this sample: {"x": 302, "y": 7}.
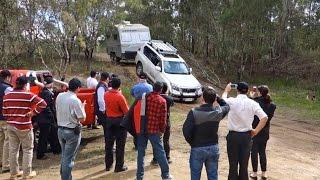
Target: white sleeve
{"x": 94, "y": 82}
{"x": 229, "y": 100}
{"x": 78, "y": 109}
{"x": 100, "y": 94}
{"x": 9, "y": 89}
{"x": 258, "y": 111}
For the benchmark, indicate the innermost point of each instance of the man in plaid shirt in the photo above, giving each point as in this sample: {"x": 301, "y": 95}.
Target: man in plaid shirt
{"x": 156, "y": 112}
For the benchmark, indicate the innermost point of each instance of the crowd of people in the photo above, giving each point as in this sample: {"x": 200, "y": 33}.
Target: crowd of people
{"x": 58, "y": 118}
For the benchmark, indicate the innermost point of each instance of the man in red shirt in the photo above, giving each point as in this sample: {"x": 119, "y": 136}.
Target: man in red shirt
{"x": 19, "y": 107}
{"x": 156, "y": 114}
{"x": 116, "y": 107}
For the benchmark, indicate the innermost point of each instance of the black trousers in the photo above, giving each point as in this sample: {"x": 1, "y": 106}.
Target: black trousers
{"x": 48, "y": 133}
{"x": 259, "y": 147}
{"x": 166, "y": 142}
{"x": 118, "y": 134}
{"x": 238, "y": 147}
{"x": 102, "y": 120}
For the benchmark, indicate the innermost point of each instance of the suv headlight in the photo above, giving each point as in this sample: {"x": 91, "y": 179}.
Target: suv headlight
{"x": 174, "y": 87}
{"x": 199, "y": 90}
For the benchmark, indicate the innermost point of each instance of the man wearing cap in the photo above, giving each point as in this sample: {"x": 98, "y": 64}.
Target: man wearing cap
{"x": 19, "y": 107}
{"x": 70, "y": 112}
{"x": 240, "y": 118}
{"x": 47, "y": 122}
{"x": 5, "y": 87}
{"x": 141, "y": 87}
{"x": 137, "y": 91}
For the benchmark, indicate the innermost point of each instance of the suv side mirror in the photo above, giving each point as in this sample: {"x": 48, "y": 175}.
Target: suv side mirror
{"x": 158, "y": 68}
{"x": 190, "y": 70}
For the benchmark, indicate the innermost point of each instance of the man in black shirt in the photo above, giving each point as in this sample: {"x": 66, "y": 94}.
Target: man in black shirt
{"x": 201, "y": 131}
{"x": 47, "y": 122}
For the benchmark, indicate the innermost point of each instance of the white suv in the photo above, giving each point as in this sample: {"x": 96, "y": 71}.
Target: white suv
{"x": 160, "y": 62}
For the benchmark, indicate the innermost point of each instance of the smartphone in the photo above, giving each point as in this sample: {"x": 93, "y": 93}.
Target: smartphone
{"x": 254, "y": 88}
{"x": 234, "y": 86}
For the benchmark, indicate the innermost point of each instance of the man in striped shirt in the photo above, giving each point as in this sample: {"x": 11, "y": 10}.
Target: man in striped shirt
{"x": 19, "y": 107}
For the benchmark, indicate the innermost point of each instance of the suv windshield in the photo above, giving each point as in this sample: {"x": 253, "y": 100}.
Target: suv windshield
{"x": 173, "y": 67}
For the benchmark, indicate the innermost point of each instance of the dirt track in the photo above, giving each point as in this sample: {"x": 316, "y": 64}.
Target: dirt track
{"x": 293, "y": 153}
{"x": 293, "y": 150}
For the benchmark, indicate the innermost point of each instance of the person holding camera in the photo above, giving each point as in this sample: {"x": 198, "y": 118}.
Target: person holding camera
{"x": 201, "y": 131}
{"x": 240, "y": 118}
{"x": 70, "y": 112}
{"x": 260, "y": 140}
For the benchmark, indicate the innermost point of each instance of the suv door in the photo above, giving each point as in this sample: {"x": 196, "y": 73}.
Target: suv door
{"x": 149, "y": 64}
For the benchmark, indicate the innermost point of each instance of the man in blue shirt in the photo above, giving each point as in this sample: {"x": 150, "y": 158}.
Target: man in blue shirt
{"x": 141, "y": 87}
{"x": 137, "y": 91}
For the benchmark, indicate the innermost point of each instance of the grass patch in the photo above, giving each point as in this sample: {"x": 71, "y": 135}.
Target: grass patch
{"x": 292, "y": 94}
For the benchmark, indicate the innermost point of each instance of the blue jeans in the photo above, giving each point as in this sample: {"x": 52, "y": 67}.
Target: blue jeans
{"x": 69, "y": 142}
{"x": 160, "y": 155}
{"x": 209, "y": 156}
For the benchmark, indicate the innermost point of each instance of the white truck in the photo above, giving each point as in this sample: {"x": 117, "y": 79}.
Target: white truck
{"x": 124, "y": 42}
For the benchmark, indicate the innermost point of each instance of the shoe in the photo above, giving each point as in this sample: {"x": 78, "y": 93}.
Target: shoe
{"x": 169, "y": 178}
{"x": 16, "y": 176}
{"x": 44, "y": 157}
{"x": 32, "y": 175}
{"x": 253, "y": 177}
{"x": 95, "y": 127}
{"x": 108, "y": 168}
{"x": 264, "y": 177}
{"x": 154, "y": 162}
{"x": 124, "y": 168}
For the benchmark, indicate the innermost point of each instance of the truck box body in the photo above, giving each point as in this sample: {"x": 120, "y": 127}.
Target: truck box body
{"x": 124, "y": 42}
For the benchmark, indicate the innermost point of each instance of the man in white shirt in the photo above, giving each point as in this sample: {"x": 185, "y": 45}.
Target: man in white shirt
{"x": 70, "y": 113}
{"x": 240, "y": 118}
{"x": 100, "y": 107}
{"x": 92, "y": 81}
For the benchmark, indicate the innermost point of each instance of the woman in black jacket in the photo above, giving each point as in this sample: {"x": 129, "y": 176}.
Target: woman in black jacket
{"x": 260, "y": 140}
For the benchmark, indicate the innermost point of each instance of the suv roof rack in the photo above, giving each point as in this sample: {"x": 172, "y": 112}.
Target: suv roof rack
{"x": 163, "y": 47}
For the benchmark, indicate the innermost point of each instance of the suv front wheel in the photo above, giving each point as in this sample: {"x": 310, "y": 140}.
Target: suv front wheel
{"x": 139, "y": 68}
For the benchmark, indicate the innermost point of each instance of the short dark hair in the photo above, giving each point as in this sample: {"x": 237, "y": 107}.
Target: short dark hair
{"x": 74, "y": 84}
{"x": 157, "y": 87}
{"x": 115, "y": 83}
{"x": 143, "y": 75}
{"x": 4, "y": 74}
{"x": 243, "y": 87}
{"x": 21, "y": 82}
{"x": 209, "y": 95}
{"x": 104, "y": 76}
{"x": 93, "y": 74}
{"x": 164, "y": 88}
